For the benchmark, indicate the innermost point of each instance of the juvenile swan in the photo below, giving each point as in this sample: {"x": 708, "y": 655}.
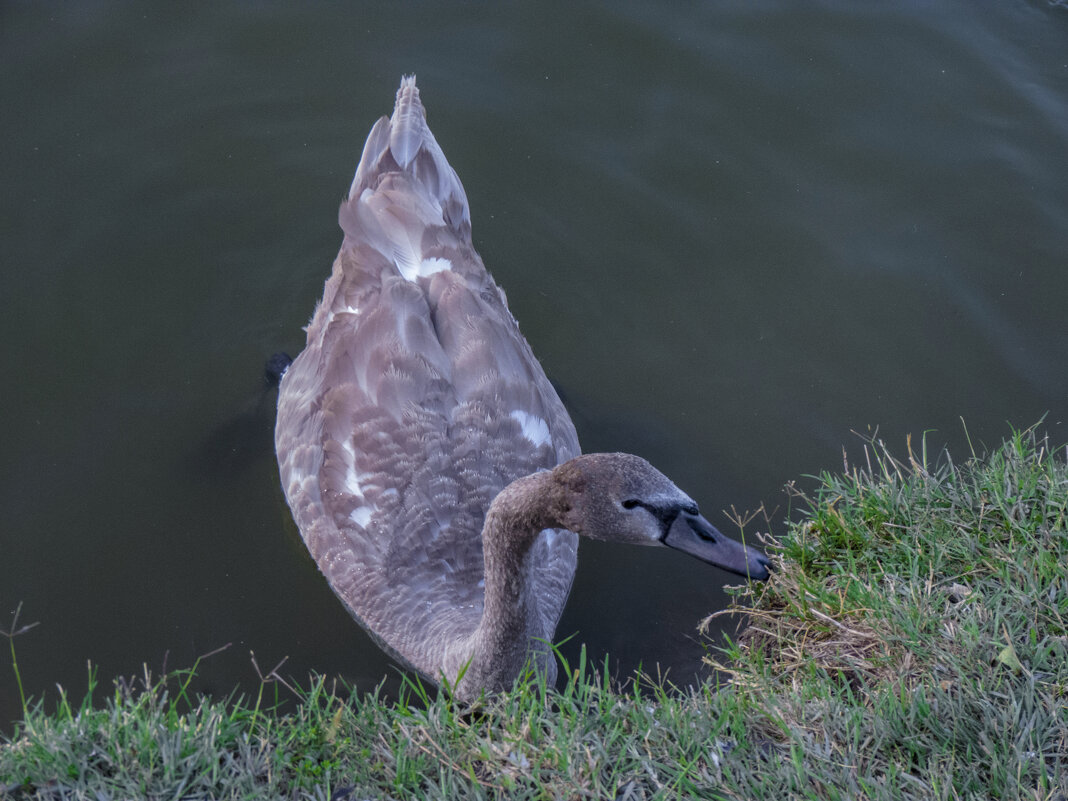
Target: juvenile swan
{"x": 432, "y": 469}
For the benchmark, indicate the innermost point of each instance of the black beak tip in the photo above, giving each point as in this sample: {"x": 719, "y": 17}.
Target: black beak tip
{"x": 763, "y": 570}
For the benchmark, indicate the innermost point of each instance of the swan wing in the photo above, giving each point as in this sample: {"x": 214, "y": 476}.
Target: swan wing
{"x": 415, "y": 401}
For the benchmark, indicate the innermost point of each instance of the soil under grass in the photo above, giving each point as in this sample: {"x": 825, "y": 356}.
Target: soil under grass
{"x": 911, "y": 644}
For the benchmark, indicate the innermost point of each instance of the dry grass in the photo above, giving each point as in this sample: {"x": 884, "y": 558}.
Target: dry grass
{"x": 915, "y": 629}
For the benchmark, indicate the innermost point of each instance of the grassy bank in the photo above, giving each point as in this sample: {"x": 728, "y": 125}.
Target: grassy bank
{"x": 913, "y": 643}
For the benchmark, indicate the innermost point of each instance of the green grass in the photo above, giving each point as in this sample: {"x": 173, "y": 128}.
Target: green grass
{"x": 912, "y": 644}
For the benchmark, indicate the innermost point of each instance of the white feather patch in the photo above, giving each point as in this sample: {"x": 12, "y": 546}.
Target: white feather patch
{"x": 412, "y": 269}
{"x": 361, "y": 516}
{"x": 354, "y": 481}
{"x": 534, "y": 428}
{"x": 434, "y": 265}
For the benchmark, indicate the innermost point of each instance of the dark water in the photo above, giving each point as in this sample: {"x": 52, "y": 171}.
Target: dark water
{"x": 733, "y": 234}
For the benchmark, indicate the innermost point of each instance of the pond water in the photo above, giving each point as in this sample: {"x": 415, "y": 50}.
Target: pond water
{"x": 733, "y": 232}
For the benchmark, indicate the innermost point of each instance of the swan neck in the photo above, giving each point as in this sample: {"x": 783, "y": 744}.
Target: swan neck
{"x": 512, "y": 630}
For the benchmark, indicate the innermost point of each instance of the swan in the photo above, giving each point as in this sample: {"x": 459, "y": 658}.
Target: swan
{"x": 429, "y": 464}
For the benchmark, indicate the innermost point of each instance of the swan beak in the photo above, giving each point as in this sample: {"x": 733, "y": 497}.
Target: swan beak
{"x": 694, "y": 535}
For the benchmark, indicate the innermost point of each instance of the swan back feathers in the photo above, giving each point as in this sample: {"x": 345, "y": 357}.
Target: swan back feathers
{"x": 415, "y": 401}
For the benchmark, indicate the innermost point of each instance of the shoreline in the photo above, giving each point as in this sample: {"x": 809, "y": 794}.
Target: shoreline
{"x": 912, "y": 643}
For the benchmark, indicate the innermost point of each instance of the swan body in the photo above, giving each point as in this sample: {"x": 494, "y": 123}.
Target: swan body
{"x": 429, "y": 464}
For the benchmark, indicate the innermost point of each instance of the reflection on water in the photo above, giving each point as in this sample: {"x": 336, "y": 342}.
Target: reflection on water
{"x": 732, "y": 234}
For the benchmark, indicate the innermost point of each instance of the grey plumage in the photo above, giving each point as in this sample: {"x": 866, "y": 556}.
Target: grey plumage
{"x": 417, "y": 408}
{"x": 415, "y": 390}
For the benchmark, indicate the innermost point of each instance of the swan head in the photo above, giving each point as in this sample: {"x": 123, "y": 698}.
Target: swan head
{"x": 619, "y": 497}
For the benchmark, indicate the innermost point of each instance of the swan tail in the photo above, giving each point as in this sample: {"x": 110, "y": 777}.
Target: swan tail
{"x": 404, "y": 185}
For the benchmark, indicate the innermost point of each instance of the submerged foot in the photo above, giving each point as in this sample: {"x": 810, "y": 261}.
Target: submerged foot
{"x": 275, "y": 368}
